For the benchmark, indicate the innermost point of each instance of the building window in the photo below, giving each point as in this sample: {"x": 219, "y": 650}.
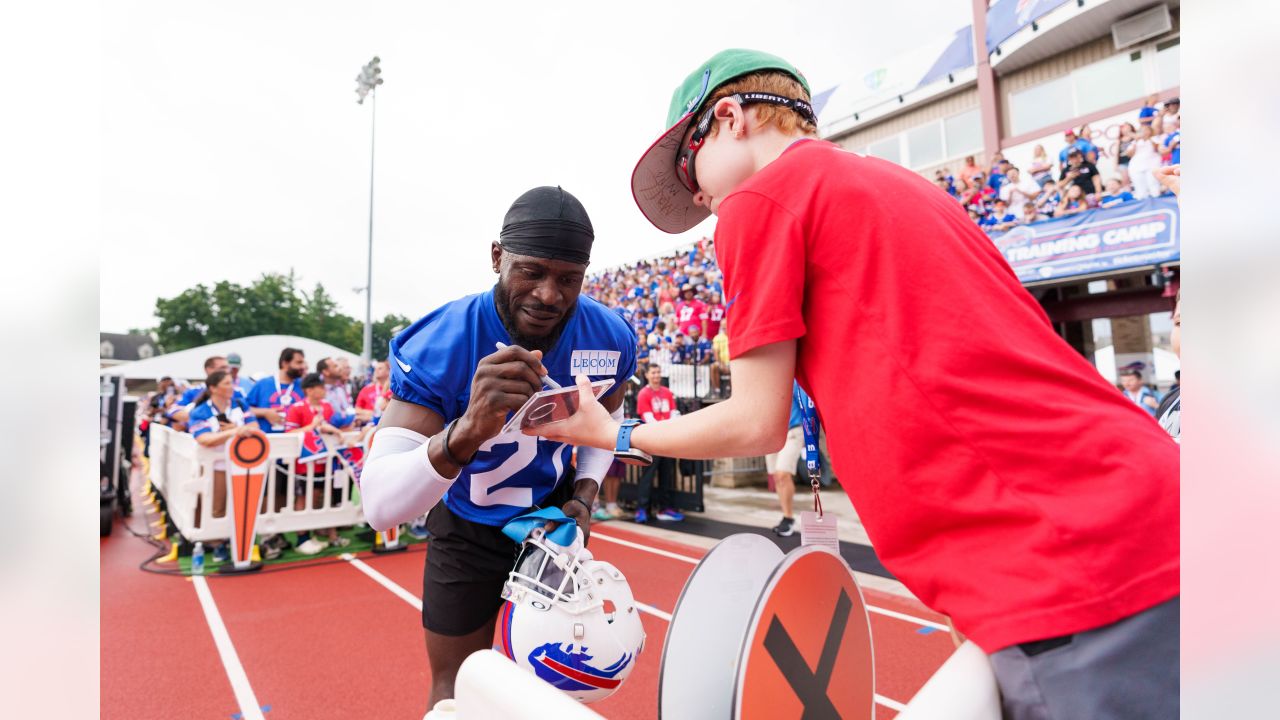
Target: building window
{"x": 106, "y": 349}
{"x": 924, "y": 145}
{"x": 1114, "y": 81}
{"x": 887, "y": 149}
{"x": 1040, "y": 105}
{"x": 1168, "y": 63}
{"x": 1108, "y": 83}
{"x": 963, "y": 133}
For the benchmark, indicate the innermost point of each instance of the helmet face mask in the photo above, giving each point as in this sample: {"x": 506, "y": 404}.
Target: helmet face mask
{"x": 554, "y": 575}
{"x": 570, "y": 619}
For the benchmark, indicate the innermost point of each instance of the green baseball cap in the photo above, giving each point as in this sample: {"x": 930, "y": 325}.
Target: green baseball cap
{"x": 663, "y": 199}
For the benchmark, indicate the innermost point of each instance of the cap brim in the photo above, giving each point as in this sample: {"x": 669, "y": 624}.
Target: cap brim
{"x": 663, "y": 199}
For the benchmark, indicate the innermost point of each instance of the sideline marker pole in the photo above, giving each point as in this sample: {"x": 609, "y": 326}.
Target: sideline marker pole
{"x": 248, "y": 454}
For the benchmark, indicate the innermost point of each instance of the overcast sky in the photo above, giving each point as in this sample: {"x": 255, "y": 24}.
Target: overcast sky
{"x": 234, "y": 145}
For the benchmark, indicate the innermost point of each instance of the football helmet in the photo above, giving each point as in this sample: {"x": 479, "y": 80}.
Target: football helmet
{"x": 570, "y": 619}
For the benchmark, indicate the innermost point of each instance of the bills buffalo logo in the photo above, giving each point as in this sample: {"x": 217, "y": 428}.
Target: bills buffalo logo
{"x": 573, "y": 671}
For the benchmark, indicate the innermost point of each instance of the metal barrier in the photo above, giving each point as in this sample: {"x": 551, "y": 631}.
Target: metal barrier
{"x": 183, "y": 472}
{"x": 689, "y": 381}
{"x": 689, "y": 478}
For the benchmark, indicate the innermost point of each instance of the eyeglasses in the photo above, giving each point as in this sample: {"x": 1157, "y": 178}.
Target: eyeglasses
{"x": 687, "y": 154}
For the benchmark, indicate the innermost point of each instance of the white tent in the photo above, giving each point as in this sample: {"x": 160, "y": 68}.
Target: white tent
{"x": 259, "y": 355}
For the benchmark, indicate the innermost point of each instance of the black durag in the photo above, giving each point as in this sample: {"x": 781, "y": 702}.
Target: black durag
{"x": 548, "y": 222}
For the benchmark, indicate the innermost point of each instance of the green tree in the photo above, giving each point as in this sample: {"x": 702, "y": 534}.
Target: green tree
{"x": 383, "y": 331}
{"x": 272, "y": 304}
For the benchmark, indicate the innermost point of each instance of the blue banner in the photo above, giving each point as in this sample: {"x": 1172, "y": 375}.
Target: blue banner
{"x": 1136, "y": 234}
{"x": 957, "y": 56}
{"x": 1007, "y": 17}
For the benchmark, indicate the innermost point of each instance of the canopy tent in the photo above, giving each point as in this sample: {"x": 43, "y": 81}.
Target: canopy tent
{"x": 259, "y": 355}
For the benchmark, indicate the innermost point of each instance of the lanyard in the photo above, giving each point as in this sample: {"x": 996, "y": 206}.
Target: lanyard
{"x": 812, "y": 461}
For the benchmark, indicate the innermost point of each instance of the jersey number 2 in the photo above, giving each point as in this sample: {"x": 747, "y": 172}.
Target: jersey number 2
{"x": 482, "y": 483}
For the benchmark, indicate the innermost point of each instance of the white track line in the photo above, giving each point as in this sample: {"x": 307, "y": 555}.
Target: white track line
{"x": 248, "y": 702}
{"x": 909, "y": 618}
{"x": 685, "y": 558}
{"x": 384, "y": 581}
{"x": 891, "y": 704}
{"x": 653, "y": 611}
{"x": 646, "y": 548}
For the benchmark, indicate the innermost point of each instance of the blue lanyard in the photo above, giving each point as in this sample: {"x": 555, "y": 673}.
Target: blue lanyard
{"x": 812, "y": 461}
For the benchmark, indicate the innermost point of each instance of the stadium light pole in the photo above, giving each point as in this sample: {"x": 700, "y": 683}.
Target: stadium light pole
{"x": 367, "y": 82}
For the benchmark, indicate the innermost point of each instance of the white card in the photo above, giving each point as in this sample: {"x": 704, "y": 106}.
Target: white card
{"x": 817, "y": 531}
{"x": 550, "y": 406}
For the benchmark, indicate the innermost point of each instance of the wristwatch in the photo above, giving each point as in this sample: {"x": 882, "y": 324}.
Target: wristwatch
{"x": 623, "y": 451}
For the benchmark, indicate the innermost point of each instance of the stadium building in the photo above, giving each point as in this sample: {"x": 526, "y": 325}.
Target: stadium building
{"x": 1021, "y": 75}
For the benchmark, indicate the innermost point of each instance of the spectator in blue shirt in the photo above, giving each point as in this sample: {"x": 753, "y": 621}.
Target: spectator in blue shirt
{"x": 700, "y": 349}
{"x": 184, "y": 405}
{"x": 987, "y": 222}
{"x": 1172, "y": 146}
{"x": 1116, "y": 194}
{"x": 1143, "y": 396}
{"x": 271, "y": 396}
{"x": 1086, "y": 148}
{"x": 1030, "y": 214}
{"x": 1002, "y": 219}
{"x": 1147, "y": 115}
{"x": 681, "y": 354}
{"x": 999, "y": 175}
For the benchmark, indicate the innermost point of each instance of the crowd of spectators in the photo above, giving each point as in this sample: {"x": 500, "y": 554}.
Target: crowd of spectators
{"x": 1003, "y": 196}
{"x": 676, "y": 305}
{"x": 317, "y": 404}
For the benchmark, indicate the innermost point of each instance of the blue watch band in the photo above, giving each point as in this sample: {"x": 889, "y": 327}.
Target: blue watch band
{"x": 623, "y": 443}
{"x": 622, "y": 449}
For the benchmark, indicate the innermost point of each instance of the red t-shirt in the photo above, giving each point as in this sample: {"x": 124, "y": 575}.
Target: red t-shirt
{"x": 998, "y": 475}
{"x": 369, "y": 395}
{"x": 715, "y": 316}
{"x": 660, "y": 402}
{"x": 300, "y": 415}
{"x": 689, "y": 314}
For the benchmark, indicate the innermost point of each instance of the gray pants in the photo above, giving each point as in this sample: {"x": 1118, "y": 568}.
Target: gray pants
{"x": 1126, "y": 670}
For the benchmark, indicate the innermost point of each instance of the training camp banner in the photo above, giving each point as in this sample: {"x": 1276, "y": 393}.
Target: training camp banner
{"x": 1136, "y": 234}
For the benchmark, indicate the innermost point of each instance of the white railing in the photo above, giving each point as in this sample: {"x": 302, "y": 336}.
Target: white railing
{"x": 182, "y": 471}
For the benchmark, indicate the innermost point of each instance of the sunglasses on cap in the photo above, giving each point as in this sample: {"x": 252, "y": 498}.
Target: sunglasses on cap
{"x": 684, "y": 160}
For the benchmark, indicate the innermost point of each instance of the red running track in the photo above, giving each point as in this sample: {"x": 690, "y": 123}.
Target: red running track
{"x": 329, "y": 641}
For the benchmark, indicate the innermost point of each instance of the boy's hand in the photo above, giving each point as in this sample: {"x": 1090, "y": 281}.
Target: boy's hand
{"x": 590, "y": 426}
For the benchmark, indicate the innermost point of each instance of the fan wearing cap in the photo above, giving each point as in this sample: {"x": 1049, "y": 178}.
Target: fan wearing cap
{"x": 998, "y": 475}
{"x": 453, "y": 391}
{"x": 244, "y": 383}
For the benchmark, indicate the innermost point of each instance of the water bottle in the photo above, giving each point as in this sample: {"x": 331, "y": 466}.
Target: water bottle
{"x": 197, "y": 559}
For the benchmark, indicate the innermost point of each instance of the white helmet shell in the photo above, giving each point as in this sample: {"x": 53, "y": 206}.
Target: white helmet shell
{"x": 570, "y": 619}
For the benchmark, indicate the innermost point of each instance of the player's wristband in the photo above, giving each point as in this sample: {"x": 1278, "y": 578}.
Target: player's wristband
{"x": 582, "y": 502}
{"x": 623, "y": 451}
{"x": 448, "y": 431}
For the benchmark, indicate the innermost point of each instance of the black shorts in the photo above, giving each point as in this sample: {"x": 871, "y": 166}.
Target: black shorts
{"x": 467, "y": 564}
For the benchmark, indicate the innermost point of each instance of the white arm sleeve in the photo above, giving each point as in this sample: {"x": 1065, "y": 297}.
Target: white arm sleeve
{"x": 593, "y": 462}
{"x": 398, "y": 482}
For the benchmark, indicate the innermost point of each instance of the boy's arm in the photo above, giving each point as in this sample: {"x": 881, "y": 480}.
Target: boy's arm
{"x": 762, "y": 392}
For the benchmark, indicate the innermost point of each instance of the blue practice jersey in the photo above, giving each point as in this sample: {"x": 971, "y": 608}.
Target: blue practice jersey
{"x": 433, "y": 362}
{"x": 269, "y": 392}
{"x": 204, "y": 418}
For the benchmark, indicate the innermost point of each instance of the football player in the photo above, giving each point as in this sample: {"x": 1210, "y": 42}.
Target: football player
{"x": 453, "y": 391}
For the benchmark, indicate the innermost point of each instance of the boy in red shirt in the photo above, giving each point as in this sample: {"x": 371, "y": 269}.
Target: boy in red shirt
{"x": 999, "y": 477}
{"x": 315, "y": 417}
